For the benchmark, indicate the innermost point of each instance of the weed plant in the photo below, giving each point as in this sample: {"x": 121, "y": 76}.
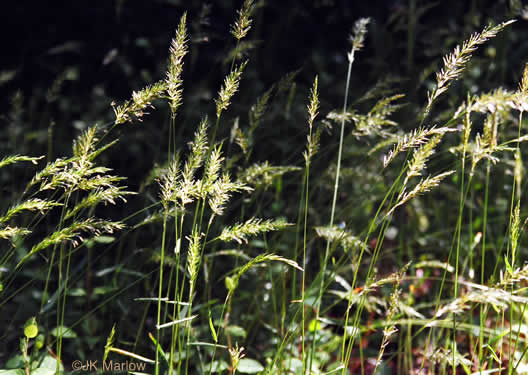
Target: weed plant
{"x": 398, "y": 250}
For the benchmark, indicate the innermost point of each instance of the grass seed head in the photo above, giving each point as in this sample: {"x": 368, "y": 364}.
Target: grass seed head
{"x": 178, "y": 50}
{"x": 243, "y": 23}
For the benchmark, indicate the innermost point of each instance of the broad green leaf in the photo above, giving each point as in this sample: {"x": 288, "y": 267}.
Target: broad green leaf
{"x": 249, "y": 366}
{"x": 237, "y": 331}
{"x": 66, "y": 332}
{"x": 217, "y": 366}
{"x": 15, "y": 362}
{"x": 294, "y": 365}
{"x": 49, "y": 363}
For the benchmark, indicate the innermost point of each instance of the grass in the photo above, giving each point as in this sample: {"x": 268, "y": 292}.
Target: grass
{"x": 423, "y": 275}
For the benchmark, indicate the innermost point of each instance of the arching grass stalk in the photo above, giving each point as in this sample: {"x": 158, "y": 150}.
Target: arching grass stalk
{"x": 357, "y": 39}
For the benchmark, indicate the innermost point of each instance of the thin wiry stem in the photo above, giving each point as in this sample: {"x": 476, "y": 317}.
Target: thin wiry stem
{"x": 332, "y": 213}
{"x": 162, "y": 261}
{"x": 357, "y": 39}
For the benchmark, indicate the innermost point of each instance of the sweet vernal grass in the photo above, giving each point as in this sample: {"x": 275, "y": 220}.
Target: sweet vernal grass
{"x": 208, "y": 316}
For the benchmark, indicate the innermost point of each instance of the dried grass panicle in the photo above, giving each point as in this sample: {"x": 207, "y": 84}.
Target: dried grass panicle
{"x": 484, "y": 295}
{"x": 390, "y": 329}
{"x": 89, "y": 182}
{"x": 420, "y": 157}
{"x": 394, "y": 278}
{"x": 49, "y": 170}
{"x": 489, "y": 137}
{"x": 199, "y": 149}
{"x": 182, "y": 187}
{"x": 261, "y": 175}
{"x": 16, "y": 158}
{"x": 107, "y": 194}
{"x": 243, "y": 23}
{"x": 257, "y": 110}
{"x": 313, "y": 106}
{"x": 312, "y": 144}
{"x": 73, "y": 234}
{"x": 229, "y": 88}
{"x": 479, "y": 150}
{"x": 173, "y": 80}
{"x": 445, "y": 357}
{"x": 523, "y": 86}
{"x": 513, "y": 276}
{"x": 242, "y": 140}
{"x": 456, "y": 61}
{"x": 415, "y": 138}
{"x": 377, "y": 119}
{"x": 193, "y": 258}
{"x": 141, "y": 101}
{"x": 85, "y": 144}
{"x": 423, "y": 186}
{"x": 170, "y": 180}
{"x": 515, "y": 231}
{"x": 212, "y": 168}
{"x": 260, "y": 259}
{"x": 34, "y": 204}
{"x": 496, "y": 105}
{"x": 241, "y": 231}
{"x": 499, "y": 101}
{"x": 220, "y": 192}
{"x": 358, "y": 37}
{"x": 73, "y": 174}
{"x": 341, "y": 236}
{"x": 9, "y": 233}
